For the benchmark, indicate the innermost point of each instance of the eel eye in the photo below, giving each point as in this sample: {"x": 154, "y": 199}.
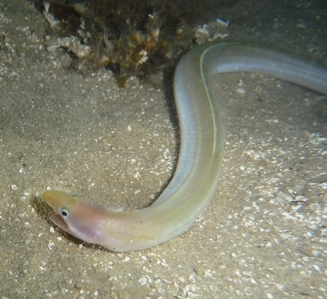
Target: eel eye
{"x": 64, "y": 212}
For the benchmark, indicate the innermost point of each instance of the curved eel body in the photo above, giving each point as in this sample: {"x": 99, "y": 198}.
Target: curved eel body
{"x": 198, "y": 97}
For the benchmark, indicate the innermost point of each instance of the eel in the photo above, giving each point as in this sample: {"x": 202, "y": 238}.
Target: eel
{"x": 202, "y": 117}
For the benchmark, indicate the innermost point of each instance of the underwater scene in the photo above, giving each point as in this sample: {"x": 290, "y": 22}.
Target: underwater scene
{"x": 121, "y": 178}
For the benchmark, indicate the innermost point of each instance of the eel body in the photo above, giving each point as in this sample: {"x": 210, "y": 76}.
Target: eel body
{"x": 201, "y": 116}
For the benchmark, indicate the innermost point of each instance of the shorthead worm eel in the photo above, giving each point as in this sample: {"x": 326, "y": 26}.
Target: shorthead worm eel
{"x": 198, "y": 98}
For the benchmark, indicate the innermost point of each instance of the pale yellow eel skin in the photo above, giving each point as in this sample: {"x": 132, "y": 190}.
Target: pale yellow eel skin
{"x": 198, "y": 98}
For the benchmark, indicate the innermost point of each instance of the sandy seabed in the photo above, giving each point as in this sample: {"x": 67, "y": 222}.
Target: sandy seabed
{"x": 264, "y": 234}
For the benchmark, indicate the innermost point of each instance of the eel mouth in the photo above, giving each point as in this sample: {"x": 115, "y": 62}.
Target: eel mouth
{"x": 57, "y": 220}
